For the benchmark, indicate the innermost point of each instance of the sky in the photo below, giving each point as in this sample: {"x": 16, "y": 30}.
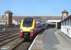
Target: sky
{"x": 35, "y": 7}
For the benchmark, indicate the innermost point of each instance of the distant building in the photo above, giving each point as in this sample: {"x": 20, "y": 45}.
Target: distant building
{"x": 64, "y": 14}
{"x": 8, "y": 17}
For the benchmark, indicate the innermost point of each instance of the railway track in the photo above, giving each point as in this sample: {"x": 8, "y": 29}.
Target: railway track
{"x": 15, "y": 43}
{"x": 11, "y": 41}
{"x": 8, "y": 36}
{"x": 12, "y": 44}
{"x": 23, "y": 46}
{"x": 7, "y": 41}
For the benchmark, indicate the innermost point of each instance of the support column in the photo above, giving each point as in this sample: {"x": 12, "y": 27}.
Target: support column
{"x": 56, "y": 25}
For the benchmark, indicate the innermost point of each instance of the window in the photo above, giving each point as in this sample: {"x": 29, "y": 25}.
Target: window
{"x": 27, "y": 22}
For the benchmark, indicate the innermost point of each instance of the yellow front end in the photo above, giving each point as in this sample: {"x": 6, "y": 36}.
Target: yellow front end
{"x": 27, "y": 29}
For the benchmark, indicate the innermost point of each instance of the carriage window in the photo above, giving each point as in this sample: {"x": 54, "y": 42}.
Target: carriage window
{"x": 27, "y": 22}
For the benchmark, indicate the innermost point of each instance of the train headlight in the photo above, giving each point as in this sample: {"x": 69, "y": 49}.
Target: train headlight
{"x": 21, "y": 30}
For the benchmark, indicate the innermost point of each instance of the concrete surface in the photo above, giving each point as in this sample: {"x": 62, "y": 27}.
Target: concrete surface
{"x": 51, "y": 40}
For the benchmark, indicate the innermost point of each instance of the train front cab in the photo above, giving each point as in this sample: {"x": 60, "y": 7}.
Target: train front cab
{"x": 27, "y": 29}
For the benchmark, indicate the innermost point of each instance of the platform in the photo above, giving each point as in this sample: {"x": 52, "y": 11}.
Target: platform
{"x": 50, "y": 40}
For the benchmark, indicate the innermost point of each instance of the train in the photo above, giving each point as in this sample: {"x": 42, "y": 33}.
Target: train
{"x": 28, "y": 28}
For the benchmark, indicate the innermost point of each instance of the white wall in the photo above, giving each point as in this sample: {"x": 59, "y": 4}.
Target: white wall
{"x": 53, "y": 20}
{"x": 66, "y": 27}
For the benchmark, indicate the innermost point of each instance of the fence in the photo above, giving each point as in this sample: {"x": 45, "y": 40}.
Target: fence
{"x": 2, "y": 25}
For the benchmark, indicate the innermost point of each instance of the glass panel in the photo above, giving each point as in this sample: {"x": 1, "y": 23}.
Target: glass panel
{"x": 27, "y": 22}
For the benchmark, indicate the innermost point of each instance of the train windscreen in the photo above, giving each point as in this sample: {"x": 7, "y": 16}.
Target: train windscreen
{"x": 27, "y": 22}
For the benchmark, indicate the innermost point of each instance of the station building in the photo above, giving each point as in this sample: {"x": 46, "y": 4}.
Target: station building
{"x": 6, "y": 18}
{"x": 66, "y": 23}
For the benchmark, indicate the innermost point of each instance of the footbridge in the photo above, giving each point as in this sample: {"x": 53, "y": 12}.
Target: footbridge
{"x": 56, "y": 23}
